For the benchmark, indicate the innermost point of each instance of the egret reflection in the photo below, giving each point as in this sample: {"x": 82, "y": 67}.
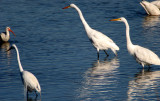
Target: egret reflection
{"x": 151, "y": 21}
{"x": 144, "y": 85}
{"x": 150, "y": 31}
{"x": 5, "y": 45}
{"x": 98, "y": 79}
{"x": 102, "y": 68}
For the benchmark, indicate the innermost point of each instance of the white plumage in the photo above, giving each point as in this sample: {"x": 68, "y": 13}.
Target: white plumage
{"x": 102, "y": 42}
{"x": 98, "y": 39}
{"x": 145, "y": 56}
{"x": 5, "y": 36}
{"x": 29, "y": 80}
{"x": 156, "y": 3}
{"x": 142, "y": 55}
{"x": 151, "y": 8}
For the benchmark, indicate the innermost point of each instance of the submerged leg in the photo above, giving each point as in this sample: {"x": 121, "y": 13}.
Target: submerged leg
{"x": 97, "y": 54}
{"x": 36, "y": 94}
{"x": 149, "y": 67}
{"x": 27, "y": 94}
{"x": 106, "y": 53}
{"x": 40, "y": 96}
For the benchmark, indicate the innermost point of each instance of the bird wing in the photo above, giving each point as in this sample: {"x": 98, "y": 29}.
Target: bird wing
{"x": 150, "y": 8}
{"x": 145, "y": 55}
{"x": 103, "y": 41}
{"x": 30, "y": 80}
{"x": 156, "y": 3}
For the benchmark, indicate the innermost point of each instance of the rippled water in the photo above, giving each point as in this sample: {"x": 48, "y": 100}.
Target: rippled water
{"x": 53, "y": 45}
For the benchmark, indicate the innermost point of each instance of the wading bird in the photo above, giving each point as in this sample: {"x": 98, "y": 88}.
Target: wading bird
{"x": 5, "y": 36}
{"x": 150, "y": 8}
{"x": 29, "y": 80}
{"x": 142, "y": 55}
{"x": 98, "y": 39}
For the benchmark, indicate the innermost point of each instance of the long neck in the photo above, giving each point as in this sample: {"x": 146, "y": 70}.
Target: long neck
{"x": 86, "y": 26}
{"x": 7, "y": 33}
{"x": 18, "y": 58}
{"x": 127, "y": 33}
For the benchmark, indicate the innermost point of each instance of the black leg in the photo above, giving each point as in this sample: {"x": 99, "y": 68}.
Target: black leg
{"x": 149, "y": 67}
{"x": 27, "y": 94}
{"x": 98, "y": 55}
{"x": 36, "y": 94}
{"x": 106, "y": 53}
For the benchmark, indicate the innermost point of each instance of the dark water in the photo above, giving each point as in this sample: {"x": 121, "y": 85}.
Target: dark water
{"x": 53, "y": 45}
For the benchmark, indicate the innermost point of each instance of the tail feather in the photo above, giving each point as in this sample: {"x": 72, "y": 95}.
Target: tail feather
{"x": 116, "y": 47}
{"x": 114, "y": 51}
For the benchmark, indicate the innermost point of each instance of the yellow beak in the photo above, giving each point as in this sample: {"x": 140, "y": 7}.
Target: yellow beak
{"x": 115, "y": 19}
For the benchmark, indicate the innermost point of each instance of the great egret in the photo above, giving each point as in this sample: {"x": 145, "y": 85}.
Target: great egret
{"x": 98, "y": 39}
{"x": 29, "y": 80}
{"x": 142, "y": 55}
{"x": 4, "y": 36}
{"x": 150, "y": 8}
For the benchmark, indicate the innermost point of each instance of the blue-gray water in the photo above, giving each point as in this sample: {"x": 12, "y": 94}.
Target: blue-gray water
{"x": 53, "y": 46}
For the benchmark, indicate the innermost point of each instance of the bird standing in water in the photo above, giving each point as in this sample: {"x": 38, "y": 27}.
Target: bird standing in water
{"x": 29, "y": 80}
{"x": 5, "y": 36}
{"x": 142, "y": 55}
{"x": 150, "y": 8}
{"x": 98, "y": 39}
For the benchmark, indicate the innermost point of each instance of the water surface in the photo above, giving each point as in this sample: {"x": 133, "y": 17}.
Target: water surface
{"x": 53, "y": 45}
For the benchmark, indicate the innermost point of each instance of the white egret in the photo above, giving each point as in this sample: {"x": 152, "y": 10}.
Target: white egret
{"x": 142, "y": 55}
{"x": 5, "y": 36}
{"x": 98, "y": 39}
{"x": 150, "y": 8}
{"x": 29, "y": 80}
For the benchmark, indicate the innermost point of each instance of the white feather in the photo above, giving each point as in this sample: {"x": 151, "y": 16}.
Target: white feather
{"x": 142, "y": 55}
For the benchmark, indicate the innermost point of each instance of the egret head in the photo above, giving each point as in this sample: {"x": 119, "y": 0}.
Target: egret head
{"x": 9, "y": 29}
{"x": 71, "y": 5}
{"x": 145, "y": 3}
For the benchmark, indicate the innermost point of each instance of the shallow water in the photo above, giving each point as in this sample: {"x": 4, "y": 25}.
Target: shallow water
{"x": 53, "y": 46}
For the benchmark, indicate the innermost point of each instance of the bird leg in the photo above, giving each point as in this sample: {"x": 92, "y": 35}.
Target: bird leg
{"x": 149, "y": 67}
{"x": 27, "y": 94}
{"x": 98, "y": 55}
{"x": 106, "y": 53}
{"x": 36, "y": 94}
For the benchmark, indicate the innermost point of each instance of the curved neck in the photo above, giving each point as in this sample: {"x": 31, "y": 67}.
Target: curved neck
{"x": 127, "y": 33}
{"x": 7, "y": 32}
{"x": 86, "y": 26}
{"x": 18, "y": 59}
